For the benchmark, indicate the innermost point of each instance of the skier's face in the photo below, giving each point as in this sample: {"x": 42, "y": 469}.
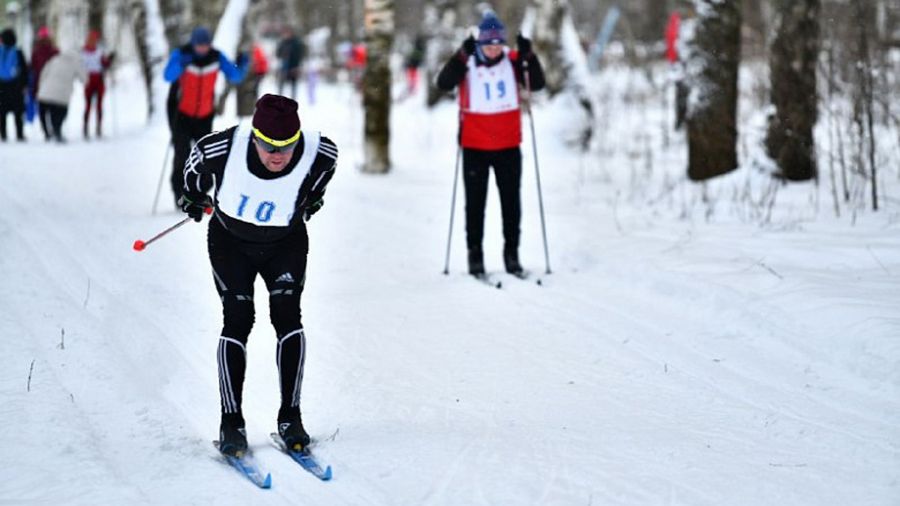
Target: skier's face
{"x": 201, "y": 49}
{"x": 492, "y": 51}
{"x": 274, "y": 162}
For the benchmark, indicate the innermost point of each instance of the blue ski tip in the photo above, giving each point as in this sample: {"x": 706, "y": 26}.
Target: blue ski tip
{"x": 327, "y": 475}
{"x": 267, "y": 483}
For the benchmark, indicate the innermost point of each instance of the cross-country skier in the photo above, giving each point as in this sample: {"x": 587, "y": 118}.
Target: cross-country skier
{"x": 97, "y": 62}
{"x": 195, "y": 68}
{"x": 489, "y": 76}
{"x": 270, "y": 179}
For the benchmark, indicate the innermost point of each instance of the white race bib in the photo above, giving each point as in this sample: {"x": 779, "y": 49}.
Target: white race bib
{"x": 492, "y": 89}
{"x": 262, "y": 202}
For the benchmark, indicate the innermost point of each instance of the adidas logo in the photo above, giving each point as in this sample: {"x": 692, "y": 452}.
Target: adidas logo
{"x": 285, "y": 278}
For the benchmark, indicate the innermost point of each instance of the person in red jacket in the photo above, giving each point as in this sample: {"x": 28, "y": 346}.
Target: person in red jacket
{"x": 192, "y": 69}
{"x": 96, "y": 62}
{"x": 489, "y": 75}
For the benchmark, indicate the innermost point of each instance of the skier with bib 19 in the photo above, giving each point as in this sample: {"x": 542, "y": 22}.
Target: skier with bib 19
{"x": 269, "y": 178}
{"x": 489, "y": 75}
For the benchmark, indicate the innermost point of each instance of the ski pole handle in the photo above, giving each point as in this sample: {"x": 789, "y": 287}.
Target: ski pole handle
{"x": 139, "y": 245}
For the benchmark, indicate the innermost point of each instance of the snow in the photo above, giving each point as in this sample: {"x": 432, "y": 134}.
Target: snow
{"x": 675, "y": 355}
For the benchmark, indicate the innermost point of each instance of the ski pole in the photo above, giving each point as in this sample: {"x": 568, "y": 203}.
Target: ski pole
{"x": 452, "y": 209}
{"x": 139, "y": 245}
{"x": 162, "y": 176}
{"x": 537, "y": 171}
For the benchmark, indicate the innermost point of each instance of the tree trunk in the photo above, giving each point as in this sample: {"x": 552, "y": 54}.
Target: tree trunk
{"x": 140, "y": 29}
{"x": 207, "y": 13}
{"x": 556, "y": 41}
{"x": 96, "y": 10}
{"x": 547, "y": 19}
{"x": 793, "y": 57}
{"x": 441, "y": 21}
{"x": 377, "y": 84}
{"x": 247, "y": 90}
{"x": 39, "y": 13}
{"x": 713, "y": 55}
{"x": 176, "y": 15}
{"x": 865, "y": 70}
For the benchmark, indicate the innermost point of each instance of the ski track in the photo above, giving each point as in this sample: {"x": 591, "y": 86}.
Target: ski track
{"x": 662, "y": 363}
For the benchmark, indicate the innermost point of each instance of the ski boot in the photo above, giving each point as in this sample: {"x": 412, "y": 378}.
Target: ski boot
{"x": 476, "y": 261}
{"x": 232, "y": 435}
{"x": 511, "y": 259}
{"x": 290, "y": 428}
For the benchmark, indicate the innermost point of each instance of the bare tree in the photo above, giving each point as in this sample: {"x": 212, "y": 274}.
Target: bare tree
{"x": 176, "y": 15}
{"x": 546, "y": 22}
{"x": 550, "y": 24}
{"x": 207, "y": 13}
{"x": 247, "y": 90}
{"x": 865, "y": 95}
{"x": 38, "y": 10}
{"x": 377, "y": 84}
{"x": 792, "y": 61}
{"x": 713, "y": 54}
{"x": 140, "y": 29}
{"x": 442, "y": 31}
{"x": 96, "y": 11}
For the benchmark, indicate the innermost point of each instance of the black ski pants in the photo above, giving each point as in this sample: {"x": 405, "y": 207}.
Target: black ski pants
{"x": 52, "y": 118}
{"x": 185, "y": 131}
{"x": 12, "y": 100}
{"x": 282, "y": 265}
{"x": 507, "y": 164}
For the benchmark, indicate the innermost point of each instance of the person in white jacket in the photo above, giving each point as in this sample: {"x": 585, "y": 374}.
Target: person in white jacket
{"x": 57, "y": 81}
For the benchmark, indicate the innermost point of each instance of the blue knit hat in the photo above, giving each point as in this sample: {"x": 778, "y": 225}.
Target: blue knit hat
{"x": 491, "y": 30}
{"x": 200, "y": 35}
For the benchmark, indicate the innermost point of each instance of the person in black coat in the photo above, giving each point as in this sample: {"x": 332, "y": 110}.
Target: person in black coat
{"x": 13, "y": 83}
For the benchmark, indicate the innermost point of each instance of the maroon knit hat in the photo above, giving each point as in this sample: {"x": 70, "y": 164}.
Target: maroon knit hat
{"x": 276, "y": 118}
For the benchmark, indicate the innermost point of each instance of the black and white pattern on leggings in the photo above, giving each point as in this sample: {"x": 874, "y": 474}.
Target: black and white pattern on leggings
{"x": 235, "y": 266}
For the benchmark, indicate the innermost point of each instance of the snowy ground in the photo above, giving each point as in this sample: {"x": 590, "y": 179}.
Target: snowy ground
{"x": 668, "y": 359}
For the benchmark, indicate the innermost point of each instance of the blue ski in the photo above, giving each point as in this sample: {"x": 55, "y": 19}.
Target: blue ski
{"x": 248, "y": 466}
{"x": 305, "y": 458}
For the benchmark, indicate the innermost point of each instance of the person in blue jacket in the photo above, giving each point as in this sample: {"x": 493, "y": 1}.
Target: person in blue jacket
{"x": 193, "y": 69}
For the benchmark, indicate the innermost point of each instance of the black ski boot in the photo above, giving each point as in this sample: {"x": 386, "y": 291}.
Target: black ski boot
{"x": 290, "y": 428}
{"x": 511, "y": 259}
{"x": 476, "y": 261}
{"x": 232, "y": 435}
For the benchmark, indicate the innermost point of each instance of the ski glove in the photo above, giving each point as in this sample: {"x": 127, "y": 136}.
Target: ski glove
{"x": 312, "y": 209}
{"x": 468, "y": 46}
{"x": 524, "y": 46}
{"x": 195, "y": 204}
{"x": 242, "y": 60}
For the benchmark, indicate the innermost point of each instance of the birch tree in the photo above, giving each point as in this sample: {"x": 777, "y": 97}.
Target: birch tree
{"x": 713, "y": 47}
{"x": 792, "y": 62}
{"x": 379, "y": 25}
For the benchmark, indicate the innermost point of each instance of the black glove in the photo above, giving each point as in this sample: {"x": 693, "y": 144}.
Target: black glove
{"x": 312, "y": 209}
{"x": 242, "y": 60}
{"x": 524, "y": 46}
{"x": 468, "y": 46}
{"x": 195, "y": 204}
